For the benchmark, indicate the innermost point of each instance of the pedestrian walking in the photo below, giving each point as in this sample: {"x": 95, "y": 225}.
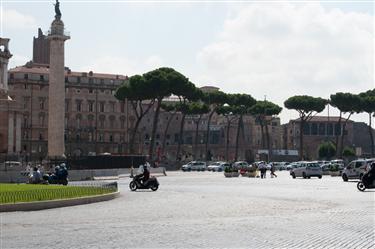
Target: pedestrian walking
{"x": 263, "y": 169}
{"x": 273, "y": 171}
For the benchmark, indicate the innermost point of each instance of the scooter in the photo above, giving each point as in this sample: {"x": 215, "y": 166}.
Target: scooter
{"x": 366, "y": 181}
{"x": 54, "y": 179}
{"x": 363, "y": 185}
{"x": 136, "y": 183}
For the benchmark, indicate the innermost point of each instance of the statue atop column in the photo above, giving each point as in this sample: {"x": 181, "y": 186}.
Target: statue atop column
{"x": 57, "y": 10}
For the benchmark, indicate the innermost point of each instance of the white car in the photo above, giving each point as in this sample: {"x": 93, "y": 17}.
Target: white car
{"x": 356, "y": 169}
{"x": 307, "y": 170}
{"x": 240, "y": 165}
{"x": 218, "y": 166}
{"x": 194, "y": 165}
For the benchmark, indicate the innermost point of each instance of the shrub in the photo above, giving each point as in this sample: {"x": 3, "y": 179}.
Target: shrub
{"x": 327, "y": 150}
{"x": 348, "y": 152}
{"x": 334, "y": 167}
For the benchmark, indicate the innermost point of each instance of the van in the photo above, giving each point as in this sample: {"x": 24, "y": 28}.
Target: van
{"x": 356, "y": 169}
{"x": 12, "y": 165}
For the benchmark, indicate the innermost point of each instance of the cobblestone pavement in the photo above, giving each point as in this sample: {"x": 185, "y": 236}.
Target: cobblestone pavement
{"x": 206, "y": 210}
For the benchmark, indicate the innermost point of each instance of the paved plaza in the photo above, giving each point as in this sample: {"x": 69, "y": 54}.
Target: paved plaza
{"x": 206, "y": 210}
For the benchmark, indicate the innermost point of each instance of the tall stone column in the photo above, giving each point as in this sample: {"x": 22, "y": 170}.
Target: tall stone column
{"x": 56, "y": 94}
{"x": 18, "y": 132}
{"x": 10, "y": 132}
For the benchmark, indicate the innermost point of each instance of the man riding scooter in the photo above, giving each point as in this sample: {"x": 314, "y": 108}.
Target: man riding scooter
{"x": 144, "y": 173}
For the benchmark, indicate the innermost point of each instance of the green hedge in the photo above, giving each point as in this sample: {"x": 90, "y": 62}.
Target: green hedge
{"x": 13, "y": 193}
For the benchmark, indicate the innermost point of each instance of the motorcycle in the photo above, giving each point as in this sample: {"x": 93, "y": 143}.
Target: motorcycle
{"x": 61, "y": 177}
{"x": 152, "y": 183}
{"x": 366, "y": 181}
{"x": 363, "y": 185}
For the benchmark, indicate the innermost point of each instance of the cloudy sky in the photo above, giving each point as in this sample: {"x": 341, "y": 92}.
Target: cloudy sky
{"x": 269, "y": 49}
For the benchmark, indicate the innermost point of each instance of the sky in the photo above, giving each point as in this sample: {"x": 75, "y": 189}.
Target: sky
{"x": 269, "y": 49}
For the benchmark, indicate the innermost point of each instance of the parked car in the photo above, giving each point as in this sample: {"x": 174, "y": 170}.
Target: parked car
{"x": 356, "y": 169}
{"x": 292, "y": 165}
{"x": 194, "y": 165}
{"x": 307, "y": 170}
{"x": 217, "y": 166}
{"x": 240, "y": 165}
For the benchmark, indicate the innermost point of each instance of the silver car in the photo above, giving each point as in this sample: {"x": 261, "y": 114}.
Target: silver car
{"x": 307, "y": 170}
{"x": 217, "y": 166}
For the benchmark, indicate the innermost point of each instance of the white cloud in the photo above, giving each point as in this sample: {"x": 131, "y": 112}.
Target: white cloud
{"x": 281, "y": 50}
{"x": 18, "y": 60}
{"x": 13, "y": 19}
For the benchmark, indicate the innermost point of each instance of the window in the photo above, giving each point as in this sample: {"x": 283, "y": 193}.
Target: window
{"x": 91, "y": 106}
{"x": 111, "y": 138}
{"x": 322, "y": 129}
{"x": 147, "y": 137}
{"x": 122, "y": 122}
{"x": 78, "y": 137}
{"x": 78, "y": 90}
{"x": 168, "y": 136}
{"x": 79, "y": 105}
{"x": 90, "y": 90}
{"x": 112, "y": 122}
{"x": 90, "y": 137}
{"x": 25, "y": 102}
{"x": 157, "y": 136}
{"x": 101, "y": 137}
{"x": 306, "y": 129}
{"x": 90, "y": 81}
{"x": 78, "y": 120}
{"x": 329, "y": 129}
{"x": 26, "y": 76}
{"x": 41, "y": 103}
{"x": 67, "y": 105}
{"x": 112, "y": 106}
{"x": 41, "y": 77}
{"x": 314, "y": 129}
{"x": 337, "y": 129}
{"x": 66, "y": 79}
{"x": 78, "y": 79}
{"x": 11, "y": 76}
{"x": 41, "y": 119}
{"x": 40, "y": 136}
{"x": 122, "y": 106}
{"x": 101, "y": 106}
{"x": 102, "y": 81}
{"x": 176, "y": 136}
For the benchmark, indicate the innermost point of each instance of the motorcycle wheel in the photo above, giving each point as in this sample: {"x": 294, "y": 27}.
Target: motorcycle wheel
{"x": 132, "y": 186}
{"x": 154, "y": 187}
{"x": 65, "y": 182}
{"x": 361, "y": 186}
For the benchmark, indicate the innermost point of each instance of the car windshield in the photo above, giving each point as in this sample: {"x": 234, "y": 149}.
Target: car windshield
{"x": 313, "y": 165}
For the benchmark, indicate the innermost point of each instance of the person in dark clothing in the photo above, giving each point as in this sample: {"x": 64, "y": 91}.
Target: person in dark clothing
{"x": 145, "y": 174}
{"x": 369, "y": 176}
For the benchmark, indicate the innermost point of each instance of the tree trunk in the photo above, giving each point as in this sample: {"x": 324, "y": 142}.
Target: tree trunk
{"x": 227, "y": 142}
{"x": 154, "y": 127}
{"x": 343, "y": 135}
{"x": 196, "y": 138}
{"x": 262, "y": 134}
{"x": 133, "y": 135}
{"x": 166, "y": 131}
{"x": 208, "y": 132}
{"x": 180, "y": 135}
{"x": 268, "y": 143}
{"x": 371, "y": 135}
{"x": 338, "y": 155}
{"x": 302, "y": 122}
{"x": 237, "y": 137}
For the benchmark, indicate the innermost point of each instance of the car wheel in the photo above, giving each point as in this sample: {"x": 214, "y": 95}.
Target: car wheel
{"x": 320, "y": 177}
{"x": 304, "y": 175}
{"x": 308, "y": 177}
{"x": 344, "y": 177}
{"x": 293, "y": 175}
